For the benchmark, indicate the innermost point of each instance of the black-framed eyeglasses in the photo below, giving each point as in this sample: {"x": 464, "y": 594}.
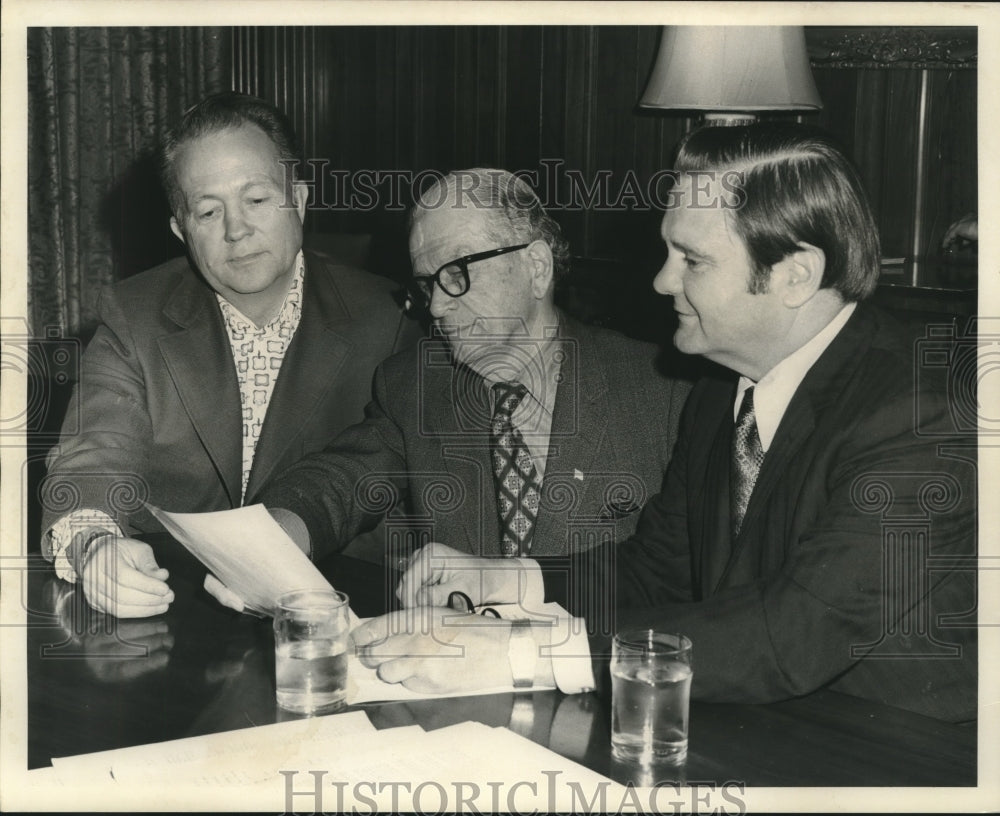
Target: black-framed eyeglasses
{"x": 453, "y": 277}
{"x": 461, "y": 602}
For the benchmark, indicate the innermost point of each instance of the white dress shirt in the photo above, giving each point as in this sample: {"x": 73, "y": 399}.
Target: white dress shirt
{"x": 774, "y": 391}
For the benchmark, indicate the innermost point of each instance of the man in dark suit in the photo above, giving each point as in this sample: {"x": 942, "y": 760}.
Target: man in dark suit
{"x": 486, "y": 257}
{"x": 208, "y": 376}
{"x": 817, "y": 524}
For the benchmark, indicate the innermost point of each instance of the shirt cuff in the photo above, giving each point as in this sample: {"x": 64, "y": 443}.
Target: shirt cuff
{"x": 56, "y": 541}
{"x": 570, "y": 652}
{"x": 531, "y": 587}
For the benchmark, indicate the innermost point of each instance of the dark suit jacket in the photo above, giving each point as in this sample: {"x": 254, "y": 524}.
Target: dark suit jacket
{"x": 159, "y": 404}
{"x": 423, "y": 452}
{"x": 854, "y": 567}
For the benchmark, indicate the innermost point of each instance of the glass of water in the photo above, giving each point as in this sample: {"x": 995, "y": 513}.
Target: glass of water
{"x": 311, "y": 628}
{"x": 650, "y": 693}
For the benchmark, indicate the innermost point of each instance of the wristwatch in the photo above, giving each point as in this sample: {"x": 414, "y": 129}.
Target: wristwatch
{"x": 83, "y": 550}
{"x": 522, "y": 654}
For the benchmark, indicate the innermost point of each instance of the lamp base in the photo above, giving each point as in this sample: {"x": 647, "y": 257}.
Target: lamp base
{"x": 728, "y": 119}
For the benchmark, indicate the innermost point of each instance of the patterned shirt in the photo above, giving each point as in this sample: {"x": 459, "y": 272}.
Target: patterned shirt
{"x": 258, "y": 353}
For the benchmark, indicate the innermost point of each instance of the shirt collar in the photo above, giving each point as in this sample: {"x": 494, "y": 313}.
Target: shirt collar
{"x": 775, "y": 390}
{"x": 540, "y": 373}
{"x": 288, "y": 313}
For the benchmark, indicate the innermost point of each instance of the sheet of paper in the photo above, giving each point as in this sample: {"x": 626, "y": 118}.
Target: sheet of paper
{"x": 247, "y": 550}
{"x": 396, "y": 769}
{"x": 265, "y": 763}
{"x": 364, "y": 685}
{"x": 443, "y": 770}
{"x": 44, "y": 777}
{"x": 164, "y": 757}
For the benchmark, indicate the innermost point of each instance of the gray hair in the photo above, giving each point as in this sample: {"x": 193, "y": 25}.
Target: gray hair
{"x": 516, "y": 213}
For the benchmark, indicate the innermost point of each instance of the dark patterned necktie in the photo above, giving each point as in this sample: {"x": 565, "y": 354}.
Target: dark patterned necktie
{"x": 514, "y": 473}
{"x": 747, "y": 457}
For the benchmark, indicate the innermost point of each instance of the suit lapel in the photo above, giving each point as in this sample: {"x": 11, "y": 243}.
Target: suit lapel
{"x": 796, "y": 425}
{"x": 822, "y": 383}
{"x": 579, "y": 420}
{"x": 456, "y": 406}
{"x": 714, "y": 560}
{"x": 308, "y": 373}
{"x": 200, "y": 363}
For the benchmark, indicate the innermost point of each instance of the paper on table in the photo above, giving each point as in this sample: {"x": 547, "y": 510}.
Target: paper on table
{"x": 166, "y": 757}
{"x": 266, "y": 763}
{"x": 440, "y": 767}
{"x": 423, "y": 767}
{"x": 364, "y": 685}
{"x": 346, "y": 750}
{"x": 247, "y": 550}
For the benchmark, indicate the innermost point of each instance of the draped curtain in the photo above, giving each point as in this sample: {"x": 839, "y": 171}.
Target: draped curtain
{"x": 99, "y": 100}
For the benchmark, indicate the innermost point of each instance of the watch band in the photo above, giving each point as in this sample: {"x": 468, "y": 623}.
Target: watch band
{"x": 83, "y": 551}
{"x": 522, "y": 654}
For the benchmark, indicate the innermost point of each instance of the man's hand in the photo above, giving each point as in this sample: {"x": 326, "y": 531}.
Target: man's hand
{"x": 435, "y": 650}
{"x": 436, "y": 571}
{"x": 121, "y": 577}
{"x": 223, "y": 594}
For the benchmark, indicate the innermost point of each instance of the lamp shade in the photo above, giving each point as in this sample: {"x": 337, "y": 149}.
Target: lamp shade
{"x": 732, "y": 68}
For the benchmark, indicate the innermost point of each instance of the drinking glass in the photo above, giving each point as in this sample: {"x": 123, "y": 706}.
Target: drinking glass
{"x": 650, "y": 694}
{"x": 311, "y": 629}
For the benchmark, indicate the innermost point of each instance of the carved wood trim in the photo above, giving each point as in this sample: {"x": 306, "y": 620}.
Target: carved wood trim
{"x": 896, "y": 47}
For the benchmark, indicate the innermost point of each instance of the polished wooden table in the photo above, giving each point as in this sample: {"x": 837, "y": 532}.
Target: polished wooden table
{"x": 95, "y": 683}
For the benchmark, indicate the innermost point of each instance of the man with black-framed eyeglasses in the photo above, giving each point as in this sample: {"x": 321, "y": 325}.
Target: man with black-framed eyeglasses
{"x": 453, "y": 276}
{"x": 513, "y": 429}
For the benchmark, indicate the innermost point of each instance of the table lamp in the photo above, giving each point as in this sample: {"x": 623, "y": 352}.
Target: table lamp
{"x": 732, "y": 72}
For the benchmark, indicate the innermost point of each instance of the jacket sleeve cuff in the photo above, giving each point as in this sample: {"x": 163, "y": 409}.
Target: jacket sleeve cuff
{"x": 295, "y": 527}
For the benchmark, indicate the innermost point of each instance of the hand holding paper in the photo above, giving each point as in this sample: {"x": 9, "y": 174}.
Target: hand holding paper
{"x": 224, "y": 595}
{"x": 255, "y": 561}
{"x": 247, "y": 551}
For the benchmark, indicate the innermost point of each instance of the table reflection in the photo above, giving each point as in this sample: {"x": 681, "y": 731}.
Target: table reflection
{"x": 113, "y": 650}
{"x": 96, "y": 683}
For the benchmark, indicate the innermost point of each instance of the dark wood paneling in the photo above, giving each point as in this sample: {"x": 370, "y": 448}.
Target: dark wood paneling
{"x": 523, "y": 69}
{"x": 952, "y": 173}
{"x": 417, "y": 98}
{"x": 572, "y": 131}
{"x": 897, "y": 196}
{"x": 876, "y": 114}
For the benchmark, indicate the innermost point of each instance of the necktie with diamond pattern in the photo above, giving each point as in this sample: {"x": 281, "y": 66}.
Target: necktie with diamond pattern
{"x": 747, "y": 456}
{"x": 514, "y": 473}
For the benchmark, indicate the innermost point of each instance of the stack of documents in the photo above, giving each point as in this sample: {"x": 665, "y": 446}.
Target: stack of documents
{"x": 342, "y": 763}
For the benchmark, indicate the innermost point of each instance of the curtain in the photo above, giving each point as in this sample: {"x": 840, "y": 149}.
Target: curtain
{"x": 99, "y": 100}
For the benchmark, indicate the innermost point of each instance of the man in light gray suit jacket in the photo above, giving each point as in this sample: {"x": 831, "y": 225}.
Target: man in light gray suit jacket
{"x": 211, "y": 374}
